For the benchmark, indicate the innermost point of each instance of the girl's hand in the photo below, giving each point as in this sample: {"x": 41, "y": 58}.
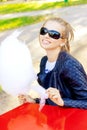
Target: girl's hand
{"x": 55, "y": 96}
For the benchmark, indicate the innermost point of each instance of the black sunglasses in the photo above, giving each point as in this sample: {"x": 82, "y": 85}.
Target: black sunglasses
{"x": 52, "y": 33}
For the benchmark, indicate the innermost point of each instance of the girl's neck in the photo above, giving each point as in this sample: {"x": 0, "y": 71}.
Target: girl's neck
{"x": 53, "y": 55}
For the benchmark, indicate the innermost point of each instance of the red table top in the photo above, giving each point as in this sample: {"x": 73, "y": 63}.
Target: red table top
{"x": 28, "y": 117}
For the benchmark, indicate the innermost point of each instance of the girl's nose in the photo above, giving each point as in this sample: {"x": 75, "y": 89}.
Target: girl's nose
{"x": 46, "y": 35}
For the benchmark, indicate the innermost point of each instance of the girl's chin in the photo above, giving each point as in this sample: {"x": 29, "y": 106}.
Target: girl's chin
{"x": 45, "y": 46}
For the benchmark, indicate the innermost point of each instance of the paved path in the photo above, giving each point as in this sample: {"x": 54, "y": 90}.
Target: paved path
{"x": 75, "y": 15}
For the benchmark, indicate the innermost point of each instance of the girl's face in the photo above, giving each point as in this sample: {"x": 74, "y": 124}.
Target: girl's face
{"x": 49, "y": 43}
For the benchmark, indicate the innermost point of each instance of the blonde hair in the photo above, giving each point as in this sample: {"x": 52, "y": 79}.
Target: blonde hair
{"x": 67, "y": 34}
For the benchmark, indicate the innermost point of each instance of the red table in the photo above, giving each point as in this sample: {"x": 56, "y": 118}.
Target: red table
{"x": 28, "y": 117}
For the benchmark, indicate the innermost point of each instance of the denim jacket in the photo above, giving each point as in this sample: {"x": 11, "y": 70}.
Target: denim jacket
{"x": 69, "y": 77}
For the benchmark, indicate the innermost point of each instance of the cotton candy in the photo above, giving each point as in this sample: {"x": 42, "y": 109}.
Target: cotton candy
{"x": 16, "y": 69}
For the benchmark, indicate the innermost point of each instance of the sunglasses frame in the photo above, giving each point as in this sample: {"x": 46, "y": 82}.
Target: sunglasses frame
{"x": 52, "y": 33}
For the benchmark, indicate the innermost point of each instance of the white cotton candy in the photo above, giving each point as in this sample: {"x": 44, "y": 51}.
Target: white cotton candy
{"x": 16, "y": 70}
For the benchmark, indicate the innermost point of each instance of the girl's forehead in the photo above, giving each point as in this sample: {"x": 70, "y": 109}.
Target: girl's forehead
{"x": 54, "y": 25}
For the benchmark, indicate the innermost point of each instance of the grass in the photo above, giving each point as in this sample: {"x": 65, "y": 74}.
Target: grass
{"x": 12, "y": 23}
{"x": 6, "y": 24}
{"x": 0, "y": 89}
{"x": 33, "y": 6}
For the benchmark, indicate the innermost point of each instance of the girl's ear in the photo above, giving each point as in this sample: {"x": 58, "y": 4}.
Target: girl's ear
{"x": 62, "y": 44}
{"x": 64, "y": 41}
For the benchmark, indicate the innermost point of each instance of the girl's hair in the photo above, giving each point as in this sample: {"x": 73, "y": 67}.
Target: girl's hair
{"x": 67, "y": 33}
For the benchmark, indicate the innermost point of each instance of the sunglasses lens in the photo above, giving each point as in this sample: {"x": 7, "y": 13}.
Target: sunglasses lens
{"x": 54, "y": 34}
{"x": 43, "y": 31}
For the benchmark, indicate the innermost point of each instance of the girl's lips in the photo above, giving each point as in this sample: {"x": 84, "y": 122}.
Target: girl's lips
{"x": 45, "y": 42}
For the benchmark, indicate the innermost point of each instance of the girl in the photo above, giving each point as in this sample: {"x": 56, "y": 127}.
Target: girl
{"x": 61, "y": 74}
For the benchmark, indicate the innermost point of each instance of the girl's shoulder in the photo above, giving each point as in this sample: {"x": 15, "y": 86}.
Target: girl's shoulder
{"x": 68, "y": 58}
{"x": 71, "y": 62}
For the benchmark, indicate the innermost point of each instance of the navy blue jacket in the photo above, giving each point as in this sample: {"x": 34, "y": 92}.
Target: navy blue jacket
{"x": 69, "y": 77}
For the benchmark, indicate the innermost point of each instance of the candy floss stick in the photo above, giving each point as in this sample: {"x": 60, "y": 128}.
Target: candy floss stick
{"x": 40, "y": 92}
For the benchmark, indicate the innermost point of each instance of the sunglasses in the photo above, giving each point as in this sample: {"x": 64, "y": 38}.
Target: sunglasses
{"x": 52, "y": 33}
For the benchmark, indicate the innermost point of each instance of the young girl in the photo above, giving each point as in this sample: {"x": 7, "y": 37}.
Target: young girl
{"x": 61, "y": 74}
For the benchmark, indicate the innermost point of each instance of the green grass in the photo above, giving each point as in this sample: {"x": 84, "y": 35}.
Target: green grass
{"x": 19, "y": 22}
{"x": 0, "y": 89}
{"x": 32, "y": 6}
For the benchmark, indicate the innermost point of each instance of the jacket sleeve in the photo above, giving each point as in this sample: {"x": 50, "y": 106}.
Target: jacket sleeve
{"x": 76, "y": 80}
